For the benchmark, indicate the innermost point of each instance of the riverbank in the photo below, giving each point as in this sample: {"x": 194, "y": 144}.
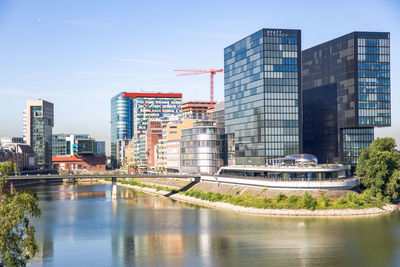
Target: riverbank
{"x": 170, "y": 189}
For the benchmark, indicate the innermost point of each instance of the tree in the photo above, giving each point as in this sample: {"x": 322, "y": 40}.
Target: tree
{"x": 17, "y": 240}
{"x": 379, "y": 169}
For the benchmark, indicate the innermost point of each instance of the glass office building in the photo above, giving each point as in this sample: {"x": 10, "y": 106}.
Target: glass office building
{"x": 130, "y": 113}
{"x": 38, "y": 127}
{"x": 346, "y": 92}
{"x": 263, "y": 97}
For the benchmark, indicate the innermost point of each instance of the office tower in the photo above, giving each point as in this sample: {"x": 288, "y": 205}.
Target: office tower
{"x": 263, "y": 96}
{"x": 346, "y": 92}
{"x": 38, "y": 127}
{"x": 130, "y": 113}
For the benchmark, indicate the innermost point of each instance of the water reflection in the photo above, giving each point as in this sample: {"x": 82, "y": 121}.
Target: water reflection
{"x": 82, "y": 225}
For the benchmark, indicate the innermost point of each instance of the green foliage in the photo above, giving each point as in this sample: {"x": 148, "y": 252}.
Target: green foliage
{"x": 157, "y": 187}
{"x": 5, "y": 169}
{"x": 280, "y": 197}
{"x": 324, "y": 202}
{"x": 308, "y": 201}
{"x": 379, "y": 169}
{"x": 291, "y": 202}
{"x": 17, "y": 236}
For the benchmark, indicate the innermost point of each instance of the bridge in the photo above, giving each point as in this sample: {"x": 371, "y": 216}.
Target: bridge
{"x": 113, "y": 176}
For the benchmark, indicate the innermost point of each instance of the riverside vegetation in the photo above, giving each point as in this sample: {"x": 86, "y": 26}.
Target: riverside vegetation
{"x": 378, "y": 169}
{"x": 281, "y": 201}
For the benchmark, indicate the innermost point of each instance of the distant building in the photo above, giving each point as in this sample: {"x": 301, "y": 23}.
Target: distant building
{"x": 73, "y": 144}
{"x": 38, "y": 127}
{"x": 154, "y": 133}
{"x": 346, "y": 92}
{"x": 11, "y": 140}
{"x": 66, "y": 144}
{"x": 168, "y": 147}
{"x": 263, "y": 96}
{"x": 201, "y": 148}
{"x": 80, "y": 162}
{"x": 21, "y": 154}
{"x": 196, "y": 110}
{"x": 100, "y": 148}
{"x": 130, "y": 113}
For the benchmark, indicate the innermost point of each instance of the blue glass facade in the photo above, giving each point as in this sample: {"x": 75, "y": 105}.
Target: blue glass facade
{"x": 373, "y": 79}
{"x": 352, "y": 74}
{"x": 262, "y": 95}
{"x": 121, "y": 122}
{"x": 130, "y": 113}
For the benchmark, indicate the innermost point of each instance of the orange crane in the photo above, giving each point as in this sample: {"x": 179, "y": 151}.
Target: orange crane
{"x": 212, "y": 73}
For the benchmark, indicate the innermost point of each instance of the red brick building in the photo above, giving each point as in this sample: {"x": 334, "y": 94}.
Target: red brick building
{"x": 80, "y": 162}
{"x": 154, "y": 133}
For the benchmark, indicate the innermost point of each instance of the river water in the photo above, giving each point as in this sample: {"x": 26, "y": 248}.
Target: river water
{"x": 82, "y": 226}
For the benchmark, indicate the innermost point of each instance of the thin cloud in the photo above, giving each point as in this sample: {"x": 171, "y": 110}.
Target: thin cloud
{"x": 125, "y": 74}
{"x": 143, "y": 61}
{"x": 34, "y": 93}
{"x": 83, "y": 22}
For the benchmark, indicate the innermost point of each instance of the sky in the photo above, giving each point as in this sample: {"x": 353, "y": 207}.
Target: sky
{"x": 79, "y": 54}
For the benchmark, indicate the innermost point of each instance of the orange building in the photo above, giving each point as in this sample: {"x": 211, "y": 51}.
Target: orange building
{"x": 80, "y": 162}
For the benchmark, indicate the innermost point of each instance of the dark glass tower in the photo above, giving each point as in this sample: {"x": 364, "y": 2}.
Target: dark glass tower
{"x": 346, "y": 92}
{"x": 262, "y": 95}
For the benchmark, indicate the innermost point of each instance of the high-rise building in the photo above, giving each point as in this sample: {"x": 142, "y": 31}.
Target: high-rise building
{"x": 346, "y": 92}
{"x": 130, "y": 113}
{"x": 38, "y": 127}
{"x": 263, "y": 96}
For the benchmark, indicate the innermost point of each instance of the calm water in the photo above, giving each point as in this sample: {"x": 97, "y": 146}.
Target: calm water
{"x": 82, "y": 226}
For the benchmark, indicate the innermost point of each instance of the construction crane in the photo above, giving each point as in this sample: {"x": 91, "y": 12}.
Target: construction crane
{"x": 212, "y": 73}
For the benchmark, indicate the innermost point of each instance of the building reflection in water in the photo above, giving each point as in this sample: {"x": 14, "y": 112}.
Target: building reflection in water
{"x": 143, "y": 229}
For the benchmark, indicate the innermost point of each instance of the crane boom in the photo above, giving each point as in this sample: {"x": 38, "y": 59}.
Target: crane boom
{"x": 196, "y": 72}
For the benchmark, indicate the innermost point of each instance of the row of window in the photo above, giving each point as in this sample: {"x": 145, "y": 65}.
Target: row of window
{"x": 373, "y": 42}
{"x": 373, "y": 58}
{"x": 280, "y": 47}
{"x": 373, "y": 81}
{"x": 374, "y": 97}
{"x": 377, "y": 121}
{"x": 373, "y": 50}
{"x": 374, "y": 112}
{"x": 385, "y": 105}
{"x": 373, "y": 90}
{"x": 374, "y": 74}
{"x": 373, "y": 66}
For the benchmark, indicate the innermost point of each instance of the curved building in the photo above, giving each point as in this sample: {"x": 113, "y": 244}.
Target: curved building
{"x": 201, "y": 148}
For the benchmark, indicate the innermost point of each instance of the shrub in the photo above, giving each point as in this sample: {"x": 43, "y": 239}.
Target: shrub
{"x": 308, "y": 201}
{"x": 280, "y": 197}
{"x": 324, "y": 202}
{"x": 342, "y": 201}
{"x": 292, "y": 201}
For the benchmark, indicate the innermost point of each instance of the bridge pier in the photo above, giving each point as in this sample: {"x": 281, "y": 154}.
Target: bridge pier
{"x": 114, "y": 187}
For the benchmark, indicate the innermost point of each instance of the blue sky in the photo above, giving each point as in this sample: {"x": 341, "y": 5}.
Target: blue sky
{"x": 78, "y": 54}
